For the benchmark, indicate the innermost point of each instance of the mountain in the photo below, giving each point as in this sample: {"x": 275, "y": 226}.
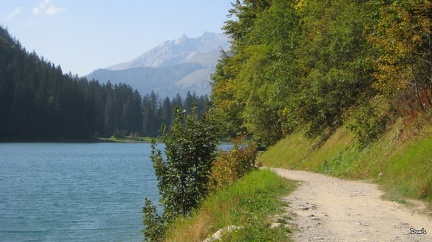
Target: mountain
{"x": 175, "y": 66}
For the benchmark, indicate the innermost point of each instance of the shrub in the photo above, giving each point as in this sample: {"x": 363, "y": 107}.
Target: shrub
{"x": 367, "y": 123}
{"x": 232, "y": 165}
{"x": 191, "y": 147}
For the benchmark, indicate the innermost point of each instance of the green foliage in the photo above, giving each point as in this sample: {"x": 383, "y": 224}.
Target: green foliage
{"x": 223, "y": 90}
{"x": 253, "y": 77}
{"x": 402, "y": 37}
{"x": 246, "y": 13}
{"x": 231, "y": 165}
{"x": 154, "y": 223}
{"x": 368, "y": 123}
{"x": 310, "y": 64}
{"x": 248, "y": 202}
{"x": 334, "y": 60}
{"x": 300, "y": 64}
{"x": 191, "y": 147}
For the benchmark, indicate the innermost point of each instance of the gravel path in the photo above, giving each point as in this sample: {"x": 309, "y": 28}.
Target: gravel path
{"x": 331, "y": 209}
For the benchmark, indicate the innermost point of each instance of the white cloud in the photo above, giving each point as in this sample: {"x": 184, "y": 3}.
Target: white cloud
{"x": 45, "y": 7}
{"x": 12, "y": 14}
{"x": 39, "y": 9}
{"x": 51, "y": 10}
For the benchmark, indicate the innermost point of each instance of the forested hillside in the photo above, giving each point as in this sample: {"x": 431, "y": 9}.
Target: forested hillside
{"x": 39, "y": 102}
{"x": 319, "y": 65}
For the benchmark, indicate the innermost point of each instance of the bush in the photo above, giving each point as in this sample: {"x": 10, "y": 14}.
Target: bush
{"x": 234, "y": 164}
{"x": 191, "y": 147}
{"x": 367, "y": 123}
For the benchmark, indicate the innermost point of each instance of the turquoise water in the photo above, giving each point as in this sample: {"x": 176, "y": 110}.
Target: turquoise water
{"x": 74, "y": 192}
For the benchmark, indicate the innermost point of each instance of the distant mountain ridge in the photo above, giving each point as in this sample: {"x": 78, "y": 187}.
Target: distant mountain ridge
{"x": 174, "y": 66}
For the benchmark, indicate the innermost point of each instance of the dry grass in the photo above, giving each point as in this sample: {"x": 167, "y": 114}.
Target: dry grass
{"x": 248, "y": 202}
{"x": 193, "y": 229}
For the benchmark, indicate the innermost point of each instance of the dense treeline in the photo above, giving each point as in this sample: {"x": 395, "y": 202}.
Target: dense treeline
{"x": 39, "y": 102}
{"x": 318, "y": 65}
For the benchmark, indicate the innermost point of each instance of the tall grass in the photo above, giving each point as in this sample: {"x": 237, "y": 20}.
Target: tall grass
{"x": 400, "y": 161}
{"x": 248, "y": 202}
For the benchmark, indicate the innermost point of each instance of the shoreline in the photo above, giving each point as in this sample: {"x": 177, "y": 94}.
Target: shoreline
{"x": 145, "y": 140}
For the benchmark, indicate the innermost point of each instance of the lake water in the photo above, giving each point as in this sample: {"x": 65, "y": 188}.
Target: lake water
{"x": 74, "y": 192}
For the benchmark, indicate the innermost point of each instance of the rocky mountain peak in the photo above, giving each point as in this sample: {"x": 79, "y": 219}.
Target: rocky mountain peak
{"x": 180, "y": 65}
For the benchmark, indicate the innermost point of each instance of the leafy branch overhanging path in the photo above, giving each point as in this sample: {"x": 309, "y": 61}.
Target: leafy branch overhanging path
{"x": 332, "y": 209}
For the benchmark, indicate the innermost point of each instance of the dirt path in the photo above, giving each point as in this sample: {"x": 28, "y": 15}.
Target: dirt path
{"x": 331, "y": 209}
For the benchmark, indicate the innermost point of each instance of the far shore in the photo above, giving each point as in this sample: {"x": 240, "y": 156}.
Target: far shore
{"x": 89, "y": 140}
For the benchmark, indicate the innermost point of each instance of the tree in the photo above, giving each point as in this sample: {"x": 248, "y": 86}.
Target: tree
{"x": 166, "y": 112}
{"x": 189, "y": 101}
{"x": 223, "y": 95}
{"x": 246, "y": 13}
{"x": 151, "y": 120}
{"x": 38, "y": 101}
{"x": 403, "y": 38}
{"x": 191, "y": 147}
{"x": 334, "y": 62}
{"x": 253, "y": 81}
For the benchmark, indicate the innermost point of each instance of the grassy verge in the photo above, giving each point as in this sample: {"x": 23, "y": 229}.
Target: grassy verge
{"x": 248, "y": 202}
{"x": 400, "y": 161}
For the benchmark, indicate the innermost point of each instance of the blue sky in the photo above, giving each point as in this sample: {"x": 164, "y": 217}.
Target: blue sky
{"x": 83, "y": 35}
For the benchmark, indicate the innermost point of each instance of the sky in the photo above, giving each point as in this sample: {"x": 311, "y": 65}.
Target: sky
{"x": 84, "y": 35}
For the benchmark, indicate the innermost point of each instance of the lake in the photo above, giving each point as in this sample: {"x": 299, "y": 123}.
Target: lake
{"x": 74, "y": 192}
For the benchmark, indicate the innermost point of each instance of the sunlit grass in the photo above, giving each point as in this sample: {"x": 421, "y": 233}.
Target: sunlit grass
{"x": 248, "y": 203}
{"x": 400, "y": 162}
